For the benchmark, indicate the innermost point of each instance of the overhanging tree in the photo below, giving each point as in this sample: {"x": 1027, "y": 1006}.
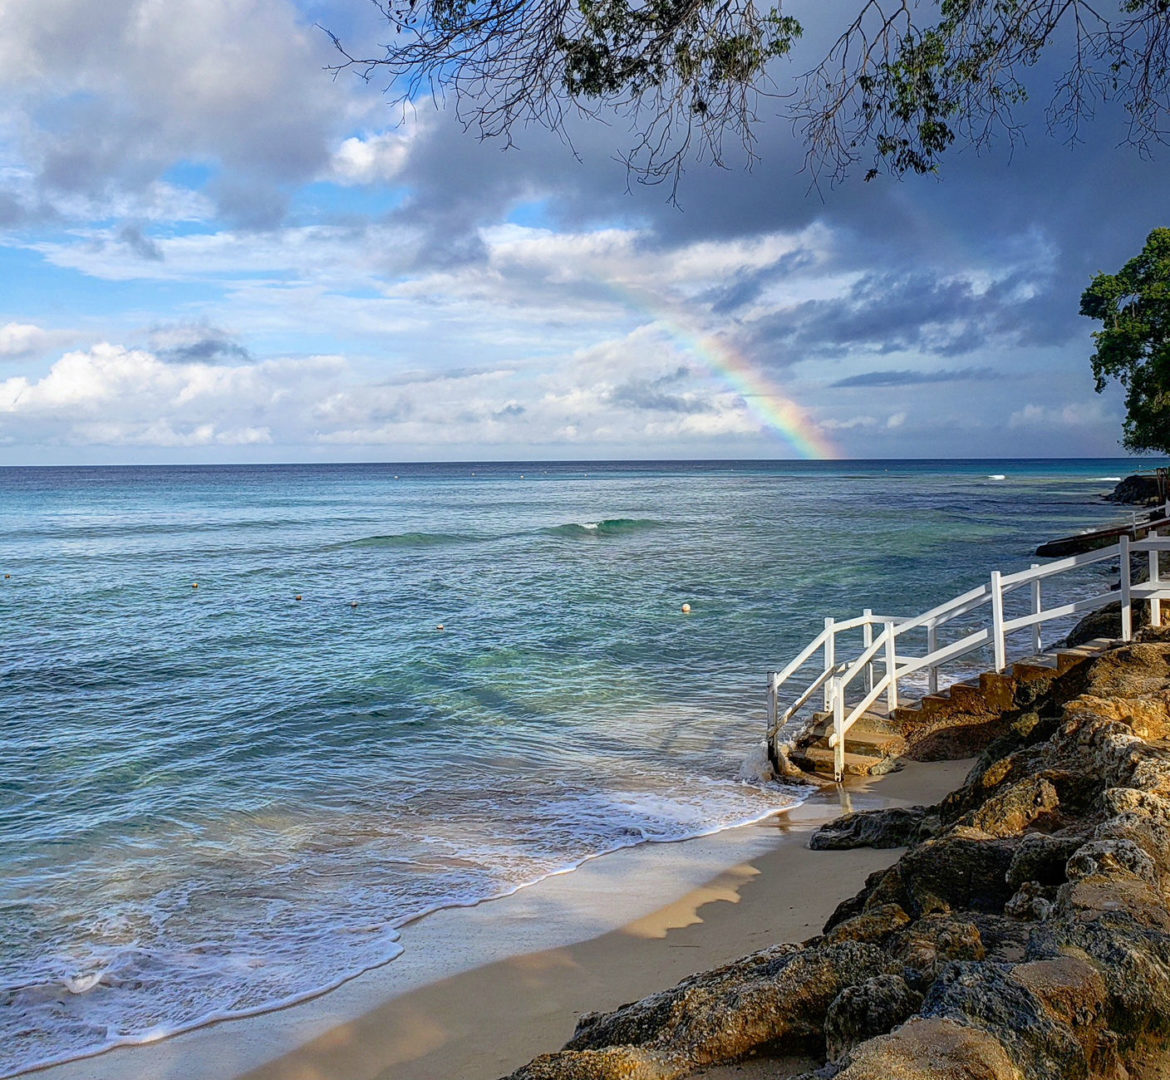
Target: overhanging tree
{"x": 901, "y": 82}
{"x": 1133, "y": 344}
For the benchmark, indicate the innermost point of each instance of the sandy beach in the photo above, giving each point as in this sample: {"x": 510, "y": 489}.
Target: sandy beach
{"x": 480, "y": 991}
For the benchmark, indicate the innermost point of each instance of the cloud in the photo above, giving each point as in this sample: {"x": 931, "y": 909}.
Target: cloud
{"x": 1072, "y": 414}
{"x": 914, "y": 378}
{"x": 18, "y": 340}
{"x": 182, "y": 343}
{"x": 115, "y": 94}
{"x": 142, "y": 246}
{"x": 373, "y": 158}
{"x": 651, "y": 394}
{"x": 110, "y": 394}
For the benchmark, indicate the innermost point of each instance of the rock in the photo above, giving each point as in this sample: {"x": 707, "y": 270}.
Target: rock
{"x": 893, "y": 827}
{"x": 963, "y": 868}
{"x": 1133, "y": 958}
{"x": 1111, "y": 857}
{"x": 1136, "y": 490}
{"x": 1105, "y": 622}
{"x": 925, "y": 948}
{"x": 1013, "y": 809}
{"x": 1031, "y": 902}
{"x": 1130, "y": 671}
{"x": 611, "y": 1063}
{"x": 931, "y": 1049}
{"x": 867, "y": 1009}
{"x": 774, "y": 999}
{"x": 985, "y": 995}
{"x": 1041, "y": 859}
{"x": 873, "y": 925}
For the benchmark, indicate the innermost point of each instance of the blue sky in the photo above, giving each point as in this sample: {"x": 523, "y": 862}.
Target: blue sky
{"x": 212, "y": 250}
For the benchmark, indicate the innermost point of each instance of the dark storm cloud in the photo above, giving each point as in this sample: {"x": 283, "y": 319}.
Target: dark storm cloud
{"x": 914, "y": 378}
{"x": 888, "y": 312}
{"x": 196, "y": 343}
{"x": 653, "y": 395}
{"x": 745, "y": 288}
{"x": 141, "y": 244}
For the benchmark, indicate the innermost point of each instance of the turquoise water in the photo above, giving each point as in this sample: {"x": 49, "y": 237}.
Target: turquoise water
{"x": 220, "y": 798}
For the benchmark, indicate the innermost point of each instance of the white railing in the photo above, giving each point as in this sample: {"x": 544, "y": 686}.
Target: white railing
{"x": 986, "y": 615}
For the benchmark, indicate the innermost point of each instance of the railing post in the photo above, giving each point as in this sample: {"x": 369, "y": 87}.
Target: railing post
{"x": 997, "y": 634}
{"x": 1126, "y": 585}
{"x": 866, "y": 642}
{"x": 772, "y": 713}
{"x": 891, "y": 669}
{"x": 931, "y": 646}
{"x": 1156, "y": 581}
{"x": 1037, "y": 607}
{"x": 830, "y": 660}
{"x": 838, "y": 729}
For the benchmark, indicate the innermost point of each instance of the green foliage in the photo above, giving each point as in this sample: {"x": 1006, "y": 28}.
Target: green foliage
{"x": 623, "y": 48}
{"x": 1133, "y": 345}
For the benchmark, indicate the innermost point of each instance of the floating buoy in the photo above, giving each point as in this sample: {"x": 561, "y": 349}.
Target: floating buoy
{"x": 686, "y": 609}
{"x": 7, "y": 576}
{"x": 194, "y": 584}
{"x": 353, "y": 603}
{"x": 297, "y": 597}
{"x": 440, "y": 627}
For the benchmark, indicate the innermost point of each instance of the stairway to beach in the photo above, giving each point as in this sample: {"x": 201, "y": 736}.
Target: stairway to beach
{"x": 878, "y": 739}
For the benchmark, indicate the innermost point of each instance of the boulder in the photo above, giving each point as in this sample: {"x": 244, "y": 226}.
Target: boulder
{"x": 897, "y": 826}
{"x": 867, "y": 1009}
{"x": 931, "y": 1049}
{"x": 1136, "y": 490}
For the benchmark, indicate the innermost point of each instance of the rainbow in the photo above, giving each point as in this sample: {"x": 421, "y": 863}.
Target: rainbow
{"x": 775, "y": 410}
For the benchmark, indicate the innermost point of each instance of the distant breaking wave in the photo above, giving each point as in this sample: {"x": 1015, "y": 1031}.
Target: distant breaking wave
{"x": 408, "y": 540}
{"x": 608, "y": 527}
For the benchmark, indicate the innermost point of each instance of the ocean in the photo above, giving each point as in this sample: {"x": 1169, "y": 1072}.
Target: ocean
{"x": 253, "y": 719}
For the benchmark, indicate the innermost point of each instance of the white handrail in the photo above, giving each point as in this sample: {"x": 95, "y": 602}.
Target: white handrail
{"x": 837, "y": 674}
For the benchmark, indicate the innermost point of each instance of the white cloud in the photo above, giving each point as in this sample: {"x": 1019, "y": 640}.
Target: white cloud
{"x": 1070, "y": 415}
{"x": 852, "y": 423}
{"x": 112, "y": 394}
{"x": 19, "y": 340}
{"x": 370, "y": 159}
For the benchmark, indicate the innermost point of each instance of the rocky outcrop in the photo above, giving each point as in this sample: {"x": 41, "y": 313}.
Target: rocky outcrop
{"x": 1136, "y": 490}
{"x": 1024, "y": 934}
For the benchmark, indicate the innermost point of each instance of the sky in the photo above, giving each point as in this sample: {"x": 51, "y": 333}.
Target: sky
{"x": 213, "y": 249}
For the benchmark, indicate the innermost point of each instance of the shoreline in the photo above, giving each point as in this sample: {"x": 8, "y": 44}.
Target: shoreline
{"x": 479, "y": 990}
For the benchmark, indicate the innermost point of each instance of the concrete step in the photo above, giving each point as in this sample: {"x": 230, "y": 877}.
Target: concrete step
{"x": 1034, "y": 667}
{"x": 965, "y": 695}
{"x": 1069, "y": 658}
{"x": 882, "y": 743}
{"x": 819, "y": 759}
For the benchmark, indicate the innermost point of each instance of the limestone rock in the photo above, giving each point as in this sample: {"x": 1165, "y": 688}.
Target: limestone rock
{"x": 1041, "y": 858}
{"x": 1031, "y": 901}
{"x": 867, "y": 1009}
{"x": 1012, "y": 810}
{"x": 1111, "y": 857}
{"x": 772, "y": 1000}
{"x": 931, "y": 1049}
{"x": 894, "y": 827}
{"x": 873, "y": 924}
{"x": 984, "y": 995}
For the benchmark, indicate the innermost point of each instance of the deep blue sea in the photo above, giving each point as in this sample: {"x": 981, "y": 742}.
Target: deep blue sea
{"x": 402, "y": 687}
